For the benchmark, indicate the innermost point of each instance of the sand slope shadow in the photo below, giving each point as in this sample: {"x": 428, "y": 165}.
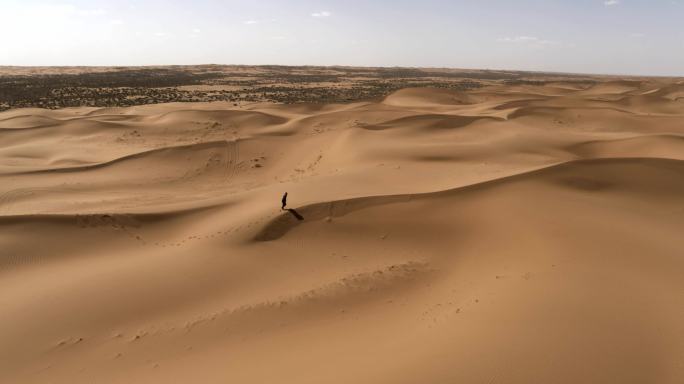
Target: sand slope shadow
{"x": 649, "y": 175}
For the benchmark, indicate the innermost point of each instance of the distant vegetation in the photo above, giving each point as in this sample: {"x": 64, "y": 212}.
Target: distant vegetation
{"x": 52, "y": 87}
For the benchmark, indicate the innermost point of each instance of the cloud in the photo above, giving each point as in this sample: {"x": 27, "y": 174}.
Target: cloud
{"x": 116, "y": 22}
{"x": 195, "y": 33}
{"x": 524, "y": 39}
{"x": 517, "y": 39}
{"x": 90, "y": 12}
{"x": 160, "y": 34}
{"x": 531, "y": 41}
{"x": 258, "y": 21}
{"x": 322, "y": 14}
{"x": 609, "y": 3}
{"x": 637, "y": 34}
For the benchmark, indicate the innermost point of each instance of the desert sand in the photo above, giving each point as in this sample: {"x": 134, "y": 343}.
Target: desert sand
{"x": 508, "y": 234}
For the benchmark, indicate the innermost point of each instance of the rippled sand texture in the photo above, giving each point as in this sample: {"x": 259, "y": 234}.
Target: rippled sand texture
{"x": 513, "y": 234}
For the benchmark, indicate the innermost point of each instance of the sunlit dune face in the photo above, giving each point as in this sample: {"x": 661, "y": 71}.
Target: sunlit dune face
{"x": 518, "y": 232}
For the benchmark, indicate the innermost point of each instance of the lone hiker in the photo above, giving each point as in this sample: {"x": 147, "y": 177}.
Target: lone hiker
{"x": 284, "y": 201}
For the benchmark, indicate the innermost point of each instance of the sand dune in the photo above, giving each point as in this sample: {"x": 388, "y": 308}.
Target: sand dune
{"x": 510, "y": 234}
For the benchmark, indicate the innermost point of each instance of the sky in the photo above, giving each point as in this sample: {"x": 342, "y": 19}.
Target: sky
{"x": 637, "y": 37}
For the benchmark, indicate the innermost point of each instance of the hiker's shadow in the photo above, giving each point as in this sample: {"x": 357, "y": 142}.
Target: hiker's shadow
{"x": 295, "y": 214}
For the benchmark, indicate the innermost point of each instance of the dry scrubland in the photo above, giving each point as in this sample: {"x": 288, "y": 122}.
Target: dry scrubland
{"x": 58, "y": 87}
{"x": 525, "y": 230}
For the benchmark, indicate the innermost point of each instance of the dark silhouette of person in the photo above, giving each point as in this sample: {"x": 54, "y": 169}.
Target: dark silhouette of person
{"x": 292, "y": 211}
{"x": 284, "y": 201}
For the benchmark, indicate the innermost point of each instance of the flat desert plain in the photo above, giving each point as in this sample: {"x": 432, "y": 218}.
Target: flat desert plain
{"x": 506, "y": 234}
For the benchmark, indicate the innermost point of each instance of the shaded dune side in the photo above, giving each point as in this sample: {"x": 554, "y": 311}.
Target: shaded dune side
{"x": 612, "y": 87}
{"x": 427, "y": 122}
{"x": 674, "y": 92}
{"x": 656, "y": 146}
{"x": 518, "y": 103}
{"x": 251, "y": 118}
{"x": 163, "y": 155}
{"x": 537, "y": 111}
{"x": 27, "y": 122}
{"x": 152, "y": 121}
{"x": 109, "y": 227}
{"x": 100, "y": 219}
{"x": 428, "y": 97}
{"x": 648, "y": 175}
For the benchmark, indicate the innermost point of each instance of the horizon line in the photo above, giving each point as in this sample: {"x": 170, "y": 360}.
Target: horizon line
{"x": 549, "y": 72}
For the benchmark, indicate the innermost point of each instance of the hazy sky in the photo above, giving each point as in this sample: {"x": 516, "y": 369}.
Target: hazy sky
{"x": 598, "y": 36}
